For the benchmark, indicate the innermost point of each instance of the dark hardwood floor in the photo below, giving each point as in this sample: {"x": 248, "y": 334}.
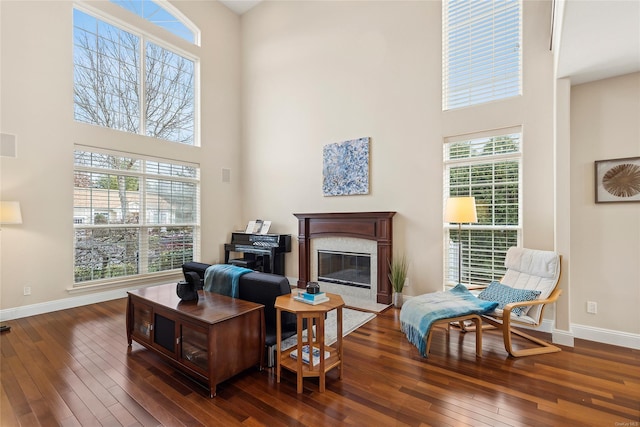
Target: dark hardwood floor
{"x": 73, "y": 367}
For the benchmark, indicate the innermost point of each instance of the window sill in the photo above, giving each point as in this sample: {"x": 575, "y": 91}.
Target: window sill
{"x": 133, "y": 282}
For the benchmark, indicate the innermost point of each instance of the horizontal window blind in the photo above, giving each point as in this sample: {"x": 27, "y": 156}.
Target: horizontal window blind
{"x": 489, "y": 169}
{"x": 132, "y": 215}
{"x": 481, "y": 51}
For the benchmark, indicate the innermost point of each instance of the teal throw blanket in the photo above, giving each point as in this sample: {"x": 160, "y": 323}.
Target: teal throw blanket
{"x": 418, "y": 314}
{"x": 224, "y": 279}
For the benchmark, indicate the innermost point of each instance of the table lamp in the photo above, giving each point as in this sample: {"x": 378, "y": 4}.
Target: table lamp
{"x": 10, "y": 213}
{"x": 460, "y": 210}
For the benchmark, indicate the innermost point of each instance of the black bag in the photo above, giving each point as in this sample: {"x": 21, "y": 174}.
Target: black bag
{"x": 188, "y": 291}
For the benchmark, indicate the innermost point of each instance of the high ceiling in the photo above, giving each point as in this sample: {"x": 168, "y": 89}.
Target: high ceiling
{"x": 596, "y": 39}
{"x": 240, "y": 6}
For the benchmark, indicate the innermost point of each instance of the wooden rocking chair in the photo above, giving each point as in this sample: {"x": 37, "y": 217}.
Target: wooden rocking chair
{"x": 531, "y": 270}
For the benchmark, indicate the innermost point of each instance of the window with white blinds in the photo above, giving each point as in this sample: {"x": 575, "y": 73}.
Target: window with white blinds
{"x": 487, "y": 167}
{"x": 132, "y": 215}
{"x": 481, "y": 58}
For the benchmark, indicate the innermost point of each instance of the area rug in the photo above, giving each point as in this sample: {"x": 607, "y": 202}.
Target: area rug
{"x": 351, "y": 320}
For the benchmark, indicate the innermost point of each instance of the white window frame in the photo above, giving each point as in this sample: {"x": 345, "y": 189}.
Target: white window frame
{"x": 145, "y": 38}
{"x": 489, "y": 262}
{"x": 480, "y": 51}
{"x": 145, "y": 221}
{"x": 173, "y": 12}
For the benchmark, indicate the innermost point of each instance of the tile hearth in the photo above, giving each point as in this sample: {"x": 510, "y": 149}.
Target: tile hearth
{"x": 363, "y": 304}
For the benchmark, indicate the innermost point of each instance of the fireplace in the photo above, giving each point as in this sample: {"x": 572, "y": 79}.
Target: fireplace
{"x": 373, "y": 226}
{"x": 344, "y": 268}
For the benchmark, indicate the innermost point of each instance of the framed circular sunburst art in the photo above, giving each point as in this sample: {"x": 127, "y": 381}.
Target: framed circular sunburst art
{"x": 618, "y": 180}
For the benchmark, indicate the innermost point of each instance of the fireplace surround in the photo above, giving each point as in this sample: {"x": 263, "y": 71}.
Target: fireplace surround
{"x": 376, "y": 226}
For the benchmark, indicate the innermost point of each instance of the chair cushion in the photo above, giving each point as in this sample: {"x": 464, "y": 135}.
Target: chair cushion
{"x": 532, "y": 269}
{"x": 504, "y": 295}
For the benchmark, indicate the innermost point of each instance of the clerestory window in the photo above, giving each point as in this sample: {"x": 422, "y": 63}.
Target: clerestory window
{"x": 126, "y": 82}
{"x": 489, "y": 168}
{"x": 162, "y": 14}
{"x": 481, "y": 51}
{"x": 133, "y": 215}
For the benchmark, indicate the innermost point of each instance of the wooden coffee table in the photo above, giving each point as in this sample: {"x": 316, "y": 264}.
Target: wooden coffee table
{"x": 314, "y": 314}
{"x": 210, "y": 340}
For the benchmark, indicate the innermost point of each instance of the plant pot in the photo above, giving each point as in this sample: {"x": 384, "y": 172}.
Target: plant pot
{"x": 397, "y": 299}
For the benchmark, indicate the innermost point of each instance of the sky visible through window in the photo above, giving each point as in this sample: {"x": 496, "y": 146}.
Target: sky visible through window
{"x": 153, "y": 12}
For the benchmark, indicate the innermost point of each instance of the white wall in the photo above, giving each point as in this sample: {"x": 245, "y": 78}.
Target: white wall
{"x": 307, "y": 74}
{"x": 605, "y": 242}
{"x": 322, "y": 72}
{"x": 37, "y": 106}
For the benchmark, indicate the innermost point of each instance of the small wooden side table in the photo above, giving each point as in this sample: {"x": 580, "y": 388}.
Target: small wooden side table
{"x": 315, "y": 315}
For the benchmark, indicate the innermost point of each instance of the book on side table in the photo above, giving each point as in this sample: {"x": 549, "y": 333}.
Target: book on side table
{"x": 305, "y": 354}
{"x": 312, "y": 299}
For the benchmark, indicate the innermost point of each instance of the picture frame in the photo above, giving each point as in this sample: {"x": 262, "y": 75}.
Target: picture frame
{"x": 617, "y": 180}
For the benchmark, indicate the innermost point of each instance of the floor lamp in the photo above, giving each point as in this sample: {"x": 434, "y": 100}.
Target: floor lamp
{"x": 9, "y": 214}
{"x": 459, "y": 210}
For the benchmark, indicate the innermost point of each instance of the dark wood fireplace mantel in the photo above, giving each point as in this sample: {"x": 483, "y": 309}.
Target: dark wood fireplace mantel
{"x": 376, "y": 226}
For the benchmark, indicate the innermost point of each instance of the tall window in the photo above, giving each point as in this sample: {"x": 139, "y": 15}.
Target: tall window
{"x": 482, "y": 58}
{"x": 132, "y": 215}
{"x": 487, "y": 167}
{"x": 125, "y": 82}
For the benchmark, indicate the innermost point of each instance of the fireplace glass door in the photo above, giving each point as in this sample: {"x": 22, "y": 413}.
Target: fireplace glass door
{"x": 345, "y": 268}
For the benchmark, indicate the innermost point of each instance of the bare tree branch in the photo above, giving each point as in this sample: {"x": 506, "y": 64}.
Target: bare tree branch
{"x": 107, "y": 88}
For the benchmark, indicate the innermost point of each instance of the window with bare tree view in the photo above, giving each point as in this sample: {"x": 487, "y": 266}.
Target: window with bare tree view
{"x": 133, "y": 214}
{"x": 124, "y": 82}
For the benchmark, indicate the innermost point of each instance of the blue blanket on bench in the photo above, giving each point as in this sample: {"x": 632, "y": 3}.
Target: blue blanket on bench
{"x": 418, "y": 314}
{"x": 224, "y": 279}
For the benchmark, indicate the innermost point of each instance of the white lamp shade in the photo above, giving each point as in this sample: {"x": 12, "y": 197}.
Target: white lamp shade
{"x": 460, "y": 210}
{"x": 10, "y": 213}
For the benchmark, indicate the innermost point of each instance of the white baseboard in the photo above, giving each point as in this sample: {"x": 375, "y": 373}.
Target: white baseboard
{"x": 561, "y": 337}
{"x": 62, "y": 304}
{"x": 589, "y": 333}
{"x": 606, "y": 336}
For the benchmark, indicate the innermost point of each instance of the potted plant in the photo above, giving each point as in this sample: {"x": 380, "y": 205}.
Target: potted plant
{"x": 397, "y": 276}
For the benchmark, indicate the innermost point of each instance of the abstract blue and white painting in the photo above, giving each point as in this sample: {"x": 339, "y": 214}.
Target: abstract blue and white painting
{"x": 345, "y": 169}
